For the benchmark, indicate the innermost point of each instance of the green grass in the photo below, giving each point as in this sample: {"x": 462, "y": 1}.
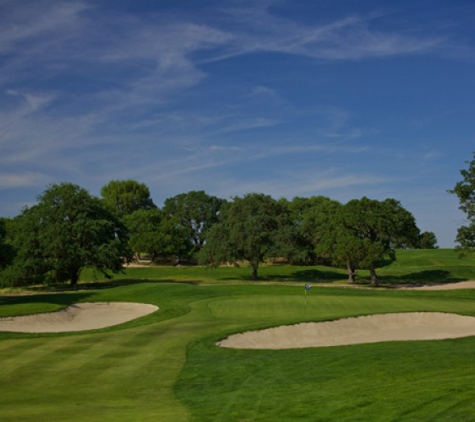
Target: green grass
{"x": 429, "y": 266}
{"x": 410, "y": 267}
{"x": 418, "y": 381}
{"x": 166, "y": 367}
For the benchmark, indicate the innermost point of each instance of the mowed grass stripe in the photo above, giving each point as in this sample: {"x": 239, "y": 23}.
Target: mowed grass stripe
{"x": 34, "y": 359}
{"x": 235, "y": 385}
{"x": 137, "y": 365}
{"x": 407, "y": 381}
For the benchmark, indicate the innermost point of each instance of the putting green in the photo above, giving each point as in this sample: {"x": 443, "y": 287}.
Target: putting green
{"x": 265, "y": 308}
{"x": 166, "y": 366}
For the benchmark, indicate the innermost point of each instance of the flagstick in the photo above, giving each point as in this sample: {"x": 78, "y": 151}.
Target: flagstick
{"x": 307, "y": 287}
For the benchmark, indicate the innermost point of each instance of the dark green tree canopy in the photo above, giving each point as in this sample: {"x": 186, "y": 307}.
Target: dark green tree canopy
{"x": 316, "y": 217}
{"x": 6, "y": 249}
{"x": 126, "y": 196}
{"x": 428, "y": 240}
{"x": 154, "y": 233}
{"x": 247, "y": 230}
{"x": 66, "y": 231}
{"x": 465, "y": 190}
{"x": 364, "y": 232}
{"x": 196, "y": 212}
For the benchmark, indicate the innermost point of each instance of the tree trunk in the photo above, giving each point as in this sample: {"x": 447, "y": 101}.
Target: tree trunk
{"x": 374, "y": 277}
{"x": 254, "y": 272}
{"x": 74, "y": 277}
{"x": 351, "y": 273}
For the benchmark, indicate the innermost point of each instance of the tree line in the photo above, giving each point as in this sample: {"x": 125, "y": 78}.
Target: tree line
{"x": 68, "y": 230}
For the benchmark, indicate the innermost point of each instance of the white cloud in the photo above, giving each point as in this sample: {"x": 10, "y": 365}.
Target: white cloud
{"x": 89, "y": 96}
{"x": 27, "y": 179}
{"x": 348, "y": 38}
{"x": 33, "y": 20}
{"x": 31, "y": 101}
{"x": 247, "y": 124}
{"x": 304, "y": 183}
{"x": 431, "y": 155}
{"x": 267, "y": 94}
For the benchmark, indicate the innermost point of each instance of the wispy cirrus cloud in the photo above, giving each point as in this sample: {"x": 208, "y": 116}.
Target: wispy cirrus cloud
{"x": 123, "y": 61}
{"x": 348, "y": 38}
{"x": 305, "y": 183}
{"x": 143, "y": 63}
{"x": 36, "y": 22}
{"x": 248, "y": 123}
{"x": 22, "y": 179}
{"x": 92, "y": 95}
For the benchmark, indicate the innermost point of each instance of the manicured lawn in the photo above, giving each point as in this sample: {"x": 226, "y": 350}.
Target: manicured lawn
{"x": 410, "y": 267}
{"x": 430, "y": 265}
{"x": 166, "y": 367}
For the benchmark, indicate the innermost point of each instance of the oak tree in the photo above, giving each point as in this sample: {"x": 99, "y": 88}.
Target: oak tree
{"x": 154, "y": 233}
{"x": 6, "y": 249}
{"x": 247, "y": 230}
{"x": 465, "y": 190}
{"x": 126, "y": 196}
{"x": 66, "y": 231}
{"x": 196, "y": 212}
{"x": 365, "y": 232}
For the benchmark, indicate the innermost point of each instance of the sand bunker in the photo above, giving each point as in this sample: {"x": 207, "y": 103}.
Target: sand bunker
{"x": 366, "y": 329}
{"x": 79, "y": 317}
{"x": 447, "y": 286}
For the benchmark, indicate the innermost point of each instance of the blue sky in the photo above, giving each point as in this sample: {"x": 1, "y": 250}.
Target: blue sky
{"x": 288, "y": 97}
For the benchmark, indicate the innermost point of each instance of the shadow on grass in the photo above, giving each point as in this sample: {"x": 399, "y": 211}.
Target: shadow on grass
{"x": 68, "y": 295}
{"x": 314, "y": 275}
{"x": 108, "y": 284}
{"x": 422, "y": 278}
{"x": 310, "y": 275}
{"x": 62, "y": 299}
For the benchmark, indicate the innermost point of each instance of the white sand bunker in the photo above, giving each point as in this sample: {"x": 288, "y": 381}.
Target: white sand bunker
{"x": 447, "y": 286}
{"x": 78, "y": 317}
{"x": 366, "y": 329}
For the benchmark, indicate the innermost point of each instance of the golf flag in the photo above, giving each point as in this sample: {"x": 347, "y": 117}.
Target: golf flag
{"x": 307, "y": 288}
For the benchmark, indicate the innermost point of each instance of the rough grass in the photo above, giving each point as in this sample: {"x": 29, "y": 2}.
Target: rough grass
{"x": 166, "y": 367}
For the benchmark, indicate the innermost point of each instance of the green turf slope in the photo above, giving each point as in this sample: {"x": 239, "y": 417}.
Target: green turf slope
{"x": 166, "y": 366}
